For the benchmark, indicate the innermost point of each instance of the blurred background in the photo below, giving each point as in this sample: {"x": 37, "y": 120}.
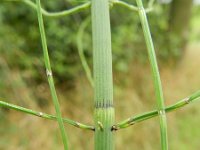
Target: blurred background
{"x": 175, "y": 26}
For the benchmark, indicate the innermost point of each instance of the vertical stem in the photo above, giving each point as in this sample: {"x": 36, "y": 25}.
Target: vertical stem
{"x": 156, "y": 75}
{"x": 49, "y": 75}
{"x": 103, "y": 89}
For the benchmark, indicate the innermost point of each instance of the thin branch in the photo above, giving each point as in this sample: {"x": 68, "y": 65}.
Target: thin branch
{"x": 148, "y": 115}
{"x": 81, "y": 53}
{"x": 125, "y": 4}
{"x": 50, "y": 76}
{"x": 150, "y": 3}
{"x": 58, "y": 14}
{"x": 44, "y": 115}
{"x": 156, "y": 75}
{"x": 130, "y": 6}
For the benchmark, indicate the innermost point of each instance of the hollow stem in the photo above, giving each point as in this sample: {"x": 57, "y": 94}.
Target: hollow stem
{"x": 156, "y": 75}
{"x": 50, "y": 75}
{"x": 44, "y": 115}
{"x": 103, "y": 82}
{"x": 148, "y": 115}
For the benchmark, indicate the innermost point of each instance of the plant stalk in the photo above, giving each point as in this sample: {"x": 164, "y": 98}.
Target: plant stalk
{"x": 156, "y": 75}
{"x": 50, "y": 75}
{"x": 103, "y": 82}
{"x": 45, "y": 115}
{"x": 148, "y": 115}
{"x": 58, "y": 14}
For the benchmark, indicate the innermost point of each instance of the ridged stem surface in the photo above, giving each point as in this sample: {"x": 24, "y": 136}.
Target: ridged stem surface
{"x": 103, "y": 84}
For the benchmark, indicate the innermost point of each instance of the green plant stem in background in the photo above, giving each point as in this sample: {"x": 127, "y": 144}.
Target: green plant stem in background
{"x": 45, "y": 116}
{"x": 103, "y": 82}
{"x": 82, "y": 7}
{"x": 156, "y": 75}
{"x": 50, "y": 75}
{"x": 150, "y": 3}
{"x": 81, "y": 53}
{"x": 125, "y": 4}
{"x": 130, "y": 6}
{"x": 148, "y": 115}
{"x": 58, "y": 14}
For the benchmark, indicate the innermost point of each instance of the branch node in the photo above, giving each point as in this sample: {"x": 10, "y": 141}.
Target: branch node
{"x": 161, "y": 112}
{"x": 100, "y": 125}
{"x": 40, "y": 114}
{"x": 114, "y": 128}
{"x": 49, "y": 73}
{"x": 187, "y": 100}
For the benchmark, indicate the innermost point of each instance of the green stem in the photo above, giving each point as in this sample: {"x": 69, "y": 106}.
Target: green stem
{"x": 45, "y": 116}
{"x": 103, "y": 89}
{"x": 150, "y": 3}
{"x": 125, "y": 4}
{"x": 50, "y": 76}
{"x": 58, "y": 14}
{"x": 148, "y": 115}
{"x": 81, "y": 53}
{"x": 130, "y": 6}
{"x": 156, "y": 75}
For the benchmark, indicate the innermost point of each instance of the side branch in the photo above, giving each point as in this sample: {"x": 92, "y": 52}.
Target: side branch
{"x": 44, "y": 115}
{"x": 145, "y": 116}
{"x": 81, "y": 52}
{"x": 132, "y": 7}
{"x": 58, "y": 14}
{"x": 50, "y": 76}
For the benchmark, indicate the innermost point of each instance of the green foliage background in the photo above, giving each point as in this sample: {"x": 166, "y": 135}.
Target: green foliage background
{"x": 19, "y": 29}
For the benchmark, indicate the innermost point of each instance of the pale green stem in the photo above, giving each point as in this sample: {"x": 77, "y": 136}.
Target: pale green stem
{"x": 148, "y": 115}
{"x": 50, "y": 75}
{"x": 103, "y": 82}
{"x": 130, "y": 6}
{"x": 58, "y": 14}
{"x": 150, "y": 3}
{"x": 125, "y": 4}
{"x": 156, "y": 75}
{"x": 81, "y": 52}
{"x": 44, "y": 115}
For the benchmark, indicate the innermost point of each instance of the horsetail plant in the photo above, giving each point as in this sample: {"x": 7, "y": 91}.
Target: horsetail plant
{"x": 50, "y": 75}
{"x": 104, "y": 113}
{"x": 103, "y": 84}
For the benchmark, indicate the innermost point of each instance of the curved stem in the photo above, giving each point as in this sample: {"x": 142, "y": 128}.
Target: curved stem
{"x": 131, "y": 7}
{"x": 58, "y": 14}
{"x": 124, "y": 4}
{"x": 156, "y": 75}
{"x": 145, "y": 116}
{"x": 45, "y": 116}
{"x": 150, "y": 3}
{"x": 50, "y": 75}
{"x": 81, "y": 53}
